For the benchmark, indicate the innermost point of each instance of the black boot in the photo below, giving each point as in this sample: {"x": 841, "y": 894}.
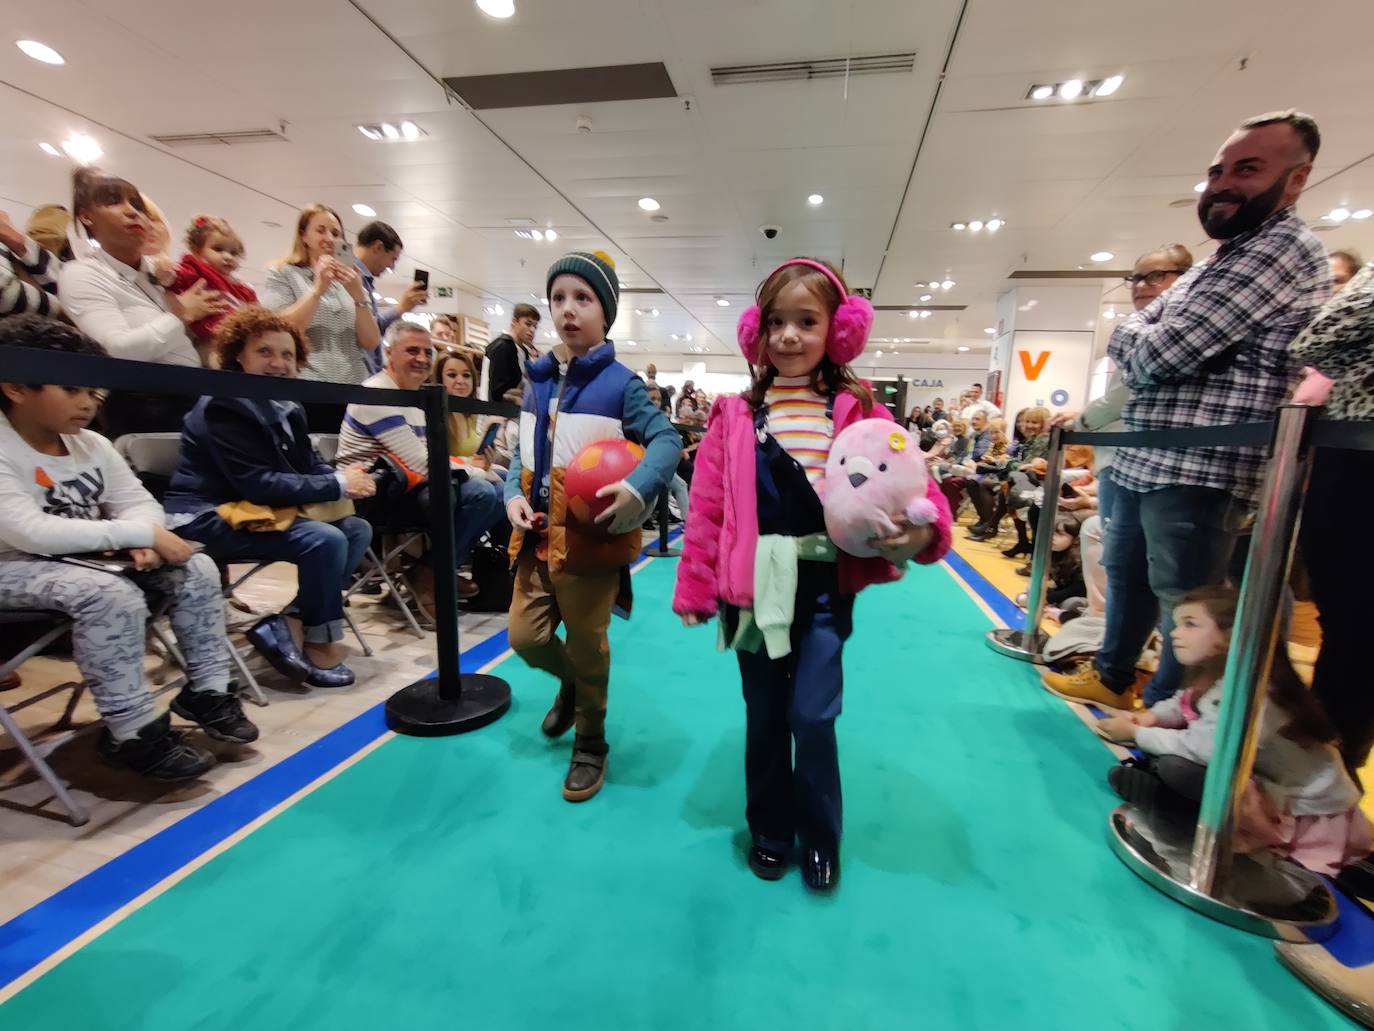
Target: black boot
{"x": 158, "y": 752}
{"x": 586, "y": 771}
{"x": 561, "y": 714}
{"x": 820, "y": 868}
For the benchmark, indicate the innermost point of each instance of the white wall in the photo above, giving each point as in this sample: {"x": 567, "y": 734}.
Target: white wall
{"x": 1050, "y": 369}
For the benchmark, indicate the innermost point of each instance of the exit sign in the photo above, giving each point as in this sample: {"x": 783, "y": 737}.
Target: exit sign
{"x": 866, "y": 292}
{"x": 443, "y": 291}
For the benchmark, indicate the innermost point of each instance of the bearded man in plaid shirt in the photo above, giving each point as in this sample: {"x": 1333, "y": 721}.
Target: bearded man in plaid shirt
{"x": 1212, "y": 350}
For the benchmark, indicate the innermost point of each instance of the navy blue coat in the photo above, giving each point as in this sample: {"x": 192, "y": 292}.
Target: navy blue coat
{"x": 236, "y": 449}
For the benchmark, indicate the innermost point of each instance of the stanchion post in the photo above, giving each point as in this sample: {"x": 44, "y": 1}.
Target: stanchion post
{"x": 1250, "y": 662}
{"x": 1198, "y": 866}
{"x": 1026, "y": 643}
{"x": 451, "y": 702}
{"x": 662, "y": 549}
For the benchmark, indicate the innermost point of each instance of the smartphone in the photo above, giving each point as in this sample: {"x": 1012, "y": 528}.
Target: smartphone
{"x": 489, "y": 438}
{"x": 422, "y": 277}
{"x": 342, "y": 250}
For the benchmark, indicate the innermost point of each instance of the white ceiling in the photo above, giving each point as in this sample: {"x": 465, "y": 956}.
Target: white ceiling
{"x": 1071, "y": 178}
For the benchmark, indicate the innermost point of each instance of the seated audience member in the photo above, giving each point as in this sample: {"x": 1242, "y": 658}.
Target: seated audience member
{"x": 64, "y": 491}
{"x": 371, "y": 432}
{"x": 509, "y": 353}
{"x": 214, "y": 253}
{"x": 1344, "y": 266}
{"x": 48, "y": 226}
{"x": 443, "y": 329}
{"x": 28, "y": 274}
{"x": 112, "y": 294}
{"x": 977, "y": 403}
{"x": 250, "y": 486}
{"x": 456, "y": 374}
{"x": 960, "y": 473}
{"x": 677, "y": 486}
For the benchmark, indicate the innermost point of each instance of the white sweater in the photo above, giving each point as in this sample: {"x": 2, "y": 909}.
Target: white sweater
{"x": 1305, "y": 781}
{"x": 86, "y": 500}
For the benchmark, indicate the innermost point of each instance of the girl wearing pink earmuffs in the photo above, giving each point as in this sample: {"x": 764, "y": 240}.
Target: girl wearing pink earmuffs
{"x": 756, "y": 554}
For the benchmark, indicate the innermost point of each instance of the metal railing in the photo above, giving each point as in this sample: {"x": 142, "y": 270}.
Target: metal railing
{"x": 1199, "y": 866}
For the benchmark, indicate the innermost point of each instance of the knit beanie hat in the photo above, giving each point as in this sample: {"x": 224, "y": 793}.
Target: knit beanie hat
{"x": 598, "y": 271}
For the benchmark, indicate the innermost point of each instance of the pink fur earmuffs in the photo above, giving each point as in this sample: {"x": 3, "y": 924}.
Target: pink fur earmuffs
{"x": 849, "y": 325}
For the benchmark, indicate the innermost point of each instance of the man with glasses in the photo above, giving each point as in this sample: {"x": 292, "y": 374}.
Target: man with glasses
{"x": 1211, "y": 351}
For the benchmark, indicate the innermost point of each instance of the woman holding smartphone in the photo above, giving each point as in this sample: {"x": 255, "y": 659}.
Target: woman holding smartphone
{"x": 468, "y": 440}
{"x": 317, "y": 288}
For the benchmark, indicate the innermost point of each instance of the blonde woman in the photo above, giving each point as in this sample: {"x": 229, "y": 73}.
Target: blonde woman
{"x": 321, "y": 293}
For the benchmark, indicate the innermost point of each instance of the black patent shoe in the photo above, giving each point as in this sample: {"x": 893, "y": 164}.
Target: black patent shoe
{"x": 559, "y": 719}
{"x": 586, "y": 771}
{"x": 157, "y": 751}
{"x": 272, "y": 638}
{"x": 1017, "y": 550}
{"x": 767, "y": 864}
{"x": 820, "y": 869}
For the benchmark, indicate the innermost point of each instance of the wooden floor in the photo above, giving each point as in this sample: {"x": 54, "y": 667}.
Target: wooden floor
{"x": 41, "y": 853}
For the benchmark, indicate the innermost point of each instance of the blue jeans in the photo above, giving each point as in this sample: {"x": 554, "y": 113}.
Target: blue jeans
{"x": 1106, "y": 499}
{"x": 1162, "y": 544}
{"x": 796, "y": 698}
{"x": 478, "y": 508}
{"x": 324, "y": 554}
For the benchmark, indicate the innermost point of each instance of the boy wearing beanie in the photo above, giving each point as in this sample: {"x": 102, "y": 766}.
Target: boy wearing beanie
{"x": 579, "y": 395}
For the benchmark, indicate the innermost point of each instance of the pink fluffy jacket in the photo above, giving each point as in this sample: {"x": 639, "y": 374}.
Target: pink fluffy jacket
{"x": 717, "y": 563}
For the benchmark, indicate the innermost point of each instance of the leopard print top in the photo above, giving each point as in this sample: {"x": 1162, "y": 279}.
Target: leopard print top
{"x": 1339, "y": 343}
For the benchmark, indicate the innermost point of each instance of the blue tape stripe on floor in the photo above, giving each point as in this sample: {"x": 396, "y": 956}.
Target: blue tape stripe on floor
{"x": 34, "y": 935}
{"x": 1000, "y": 604}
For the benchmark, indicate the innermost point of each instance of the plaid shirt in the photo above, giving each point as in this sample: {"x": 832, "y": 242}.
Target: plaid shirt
{"x": 1214, "y": 350}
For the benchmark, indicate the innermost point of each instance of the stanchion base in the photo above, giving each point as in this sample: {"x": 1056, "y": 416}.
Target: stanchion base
{"x": 1264, "y": 895}
{"x": 1017, "y": 644}
{"x": 668, "y": 552}
{"x": 418, "y": 710}
{"x": 1349, "y": 989}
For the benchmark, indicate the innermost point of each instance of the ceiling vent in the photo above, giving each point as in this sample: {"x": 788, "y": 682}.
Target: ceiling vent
{"x": 1064, "y": 273}
{"x": 228, "y": 139}
{"x": 816, "y": 68}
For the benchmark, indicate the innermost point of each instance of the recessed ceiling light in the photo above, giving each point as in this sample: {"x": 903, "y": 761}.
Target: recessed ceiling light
{"x": 410, "y": 130}
{"x": 1071, "y": 90}
{"x": 958, "y": 226}
{"x": 947, "y": 284}
{"x": 990, "y": 331}
{"x": 50, "y": 150}
{"x": 913, "y": 314}
{"x": 550, "y": 235}
{"x": 82, "y": 148}
{"x": 1101, "y": 256}
{"x": 40, "y": 51}
{"x": 925, "y": 313}
{"x": 975, "y": 226}
{"x": 538, "y": 234}
{"x": 994, "y": 224}
{"x": 648, "y": 204}
{"x": 815, "y": 200}
{"x": 653, "y": 312}
{"x": 1337, "y": 215}
{"x": 390, "y": 131}
{"x": 1199, "y": 187}
{"x": 1361, "y": 215}
{"x": 497, "y": 8}
{"x": 369, "y": 132}
{"x": 962, "y": 347}
{"x": 880, "y": 354}
{"x": 925, "y": 297}
{"x": 631, "y": 343}
{"x": 722, "y": 302}
{"x": 1042, "y": 93}
{"x": 524, "y": 234}
{"x": 1108, "y": 86}
{"x": 364, "y": 210}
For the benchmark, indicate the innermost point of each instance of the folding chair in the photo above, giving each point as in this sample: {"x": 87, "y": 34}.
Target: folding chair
{"x": 374, "y": 570}
{"x": 153, "y": 458}
{"x": 57, "y": 624}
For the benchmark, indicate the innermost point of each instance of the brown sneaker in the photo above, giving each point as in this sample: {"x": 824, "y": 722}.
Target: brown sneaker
{"x": 1084, "y": 684}
{"x": 586, "y": 772}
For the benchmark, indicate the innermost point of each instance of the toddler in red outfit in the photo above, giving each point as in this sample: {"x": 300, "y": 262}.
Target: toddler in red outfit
{"x": 214, "y": 254}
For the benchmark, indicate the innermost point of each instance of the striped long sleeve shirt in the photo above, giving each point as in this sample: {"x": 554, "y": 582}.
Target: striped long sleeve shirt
{"x": 17, "y": 296}
{"x": 369, "y": 431}
{"x": 796, "y": 418}
{"x": 1214, "y": 350}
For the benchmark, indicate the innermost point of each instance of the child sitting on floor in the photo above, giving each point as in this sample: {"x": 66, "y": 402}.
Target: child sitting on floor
{"x": 1301, "y": 803}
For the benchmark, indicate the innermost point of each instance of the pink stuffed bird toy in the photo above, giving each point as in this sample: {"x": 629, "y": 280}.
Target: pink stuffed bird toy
{"x": 875, "y": 476}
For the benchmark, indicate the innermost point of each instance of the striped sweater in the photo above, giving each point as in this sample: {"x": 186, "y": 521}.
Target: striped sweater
{"x": 796, "y": 418}
{"x": 17, "y": 296}
{"x": 369, "y": 431}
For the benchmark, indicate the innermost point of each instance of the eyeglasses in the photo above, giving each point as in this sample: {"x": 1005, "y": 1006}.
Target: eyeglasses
{"x": 1154, "y": 278}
